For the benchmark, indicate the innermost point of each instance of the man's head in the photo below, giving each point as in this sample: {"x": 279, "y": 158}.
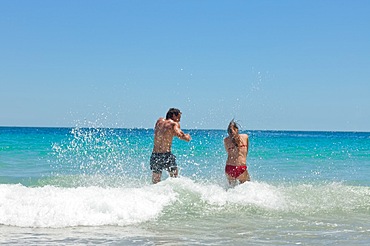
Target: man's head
{"x": 173, "y": 114}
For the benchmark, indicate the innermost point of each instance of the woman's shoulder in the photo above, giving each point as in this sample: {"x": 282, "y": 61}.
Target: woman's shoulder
{"x": 227, "y": 139}
{"x": 244, "y": 136}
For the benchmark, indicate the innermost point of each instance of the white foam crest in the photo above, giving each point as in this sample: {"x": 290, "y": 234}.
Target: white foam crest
{"x": 259, "y": 194}
{"x": 249, "y": 193}
{"x": 309, "y": 198}
{"x": 55, "y": 207}
{"x": 306, "y": 199}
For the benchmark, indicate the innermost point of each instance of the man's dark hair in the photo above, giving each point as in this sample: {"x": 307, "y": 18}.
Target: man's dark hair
{"x": 171, "y": 112}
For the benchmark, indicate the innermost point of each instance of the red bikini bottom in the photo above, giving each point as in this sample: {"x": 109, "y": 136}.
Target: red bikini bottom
{"x": 235, "y": 171}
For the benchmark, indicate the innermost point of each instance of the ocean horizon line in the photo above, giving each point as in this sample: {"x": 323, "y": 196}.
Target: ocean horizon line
{"x": 185, "y": 129}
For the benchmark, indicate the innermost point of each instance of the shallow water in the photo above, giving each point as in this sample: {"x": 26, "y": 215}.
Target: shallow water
{"x": 93, "y": 186}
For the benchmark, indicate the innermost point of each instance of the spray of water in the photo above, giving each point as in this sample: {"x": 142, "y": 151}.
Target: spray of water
{"x": 98, "y": 156}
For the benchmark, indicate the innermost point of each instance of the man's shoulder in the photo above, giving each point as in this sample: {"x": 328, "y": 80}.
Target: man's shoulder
{"x": 160, "y": 120}
{"x": 169, "y": 122}
{"x": 166, "y": 123}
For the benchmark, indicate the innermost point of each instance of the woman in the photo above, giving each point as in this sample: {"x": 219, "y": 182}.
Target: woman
{"x": 236, "y": 146}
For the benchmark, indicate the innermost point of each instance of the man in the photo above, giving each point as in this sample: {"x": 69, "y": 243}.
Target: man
{"x": 164, "y": 131}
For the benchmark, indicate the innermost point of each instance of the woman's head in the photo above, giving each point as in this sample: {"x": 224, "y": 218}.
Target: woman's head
{"x": 233, "y": 128}
{"x": 233, "y": 131}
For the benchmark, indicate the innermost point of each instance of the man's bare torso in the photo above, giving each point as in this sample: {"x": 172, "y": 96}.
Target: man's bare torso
{"x": 163, "y": 135}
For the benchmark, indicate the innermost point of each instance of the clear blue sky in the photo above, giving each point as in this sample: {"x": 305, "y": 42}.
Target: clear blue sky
{"x": 275, "y": 65}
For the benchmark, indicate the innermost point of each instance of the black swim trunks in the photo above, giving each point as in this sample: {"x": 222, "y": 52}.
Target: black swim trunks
{"x": 160, "y": 161}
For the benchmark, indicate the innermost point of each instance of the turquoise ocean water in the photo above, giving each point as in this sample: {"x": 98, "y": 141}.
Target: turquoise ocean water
{"x": 77, "y": 186}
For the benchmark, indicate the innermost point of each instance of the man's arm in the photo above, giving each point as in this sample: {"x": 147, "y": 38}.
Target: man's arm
{"x": 180, "y": 134}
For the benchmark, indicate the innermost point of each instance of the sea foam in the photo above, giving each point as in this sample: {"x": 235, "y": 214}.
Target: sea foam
{"x": 56, "y": 207}
{"x": 51, "y": 206}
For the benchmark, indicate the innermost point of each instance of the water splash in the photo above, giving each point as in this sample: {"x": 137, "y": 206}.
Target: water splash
{"x": 97, "y": 156}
